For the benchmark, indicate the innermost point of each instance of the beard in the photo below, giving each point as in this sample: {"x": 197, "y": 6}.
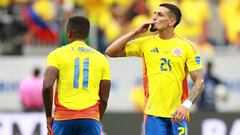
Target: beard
{"x": 152, "y": 28}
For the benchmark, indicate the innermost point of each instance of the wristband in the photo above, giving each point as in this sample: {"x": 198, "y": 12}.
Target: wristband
{"x": 187, "y": 103}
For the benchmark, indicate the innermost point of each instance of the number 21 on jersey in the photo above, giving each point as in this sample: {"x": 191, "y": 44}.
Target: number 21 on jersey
{"x": 182, "y": 131}
{"x": 77, "y": 71}
{"x": 165, "y": 65}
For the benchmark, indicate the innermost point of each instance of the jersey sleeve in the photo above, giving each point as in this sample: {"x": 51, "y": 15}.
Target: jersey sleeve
{"x": 106, "y": 70}
{"x": 133, "y": 48}
{"x": 194, "y": 61}
{"x": 52, "y": 60}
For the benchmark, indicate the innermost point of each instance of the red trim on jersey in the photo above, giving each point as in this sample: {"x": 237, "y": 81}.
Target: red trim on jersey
{"x": 145, "y": 85}
{"x": 144, "y": 118}
{"x": 184, "y": 86}
{"x": 63, "y": 113}
{"x": 185, "y": 90}
{"x": 194, "y": 49}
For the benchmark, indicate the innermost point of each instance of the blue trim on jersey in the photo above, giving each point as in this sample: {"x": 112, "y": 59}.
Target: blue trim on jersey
{"x": 76, "y": 73}
{"x": 164, "y": 126}
{"x": 85, "y": 73}
{"x": 76, "y": 127}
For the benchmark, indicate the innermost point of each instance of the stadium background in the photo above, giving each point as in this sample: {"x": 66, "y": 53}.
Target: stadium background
{"x": 30, "y": 29}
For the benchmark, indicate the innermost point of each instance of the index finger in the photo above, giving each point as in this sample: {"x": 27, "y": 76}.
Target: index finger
{"x": 149, "y": 22}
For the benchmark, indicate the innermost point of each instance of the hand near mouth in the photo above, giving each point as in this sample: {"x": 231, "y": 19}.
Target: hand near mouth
{"x": 144, "y": 27}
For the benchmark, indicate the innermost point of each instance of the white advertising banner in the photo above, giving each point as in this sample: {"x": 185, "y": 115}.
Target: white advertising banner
{"x": 124, "y": 73}
{"x": 200, "y": 124}
{"x": 22, "y": 124}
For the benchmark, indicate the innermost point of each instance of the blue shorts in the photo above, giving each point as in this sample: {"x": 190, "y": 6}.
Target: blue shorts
{"x": 164, "y": 126}
{"x": 76, "y": 127}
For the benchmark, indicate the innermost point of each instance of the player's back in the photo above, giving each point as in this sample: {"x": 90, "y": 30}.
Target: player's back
{"x": 81, "y": 68}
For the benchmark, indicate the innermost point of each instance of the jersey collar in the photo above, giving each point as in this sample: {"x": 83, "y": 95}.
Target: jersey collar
{"x": 78, "y": 42}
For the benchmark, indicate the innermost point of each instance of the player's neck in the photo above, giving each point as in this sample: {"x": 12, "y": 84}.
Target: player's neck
{"x": 167, "y": 34}
{"x": 73, "y": 40}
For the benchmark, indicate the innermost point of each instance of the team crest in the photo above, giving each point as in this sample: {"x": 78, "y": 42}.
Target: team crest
{"x": 197, "y": 59}
{"x": 177, "y": 51}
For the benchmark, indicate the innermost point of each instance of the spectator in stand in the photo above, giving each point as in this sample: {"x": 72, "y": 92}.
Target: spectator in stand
{"x": 194, "y": 24}
{"x": 107, "y": 28}
{"x": 229, "y": 11}
{"x": 207, "y": 101}
{"x": 4, "y": 3}
{"x": 31, "y": 92}
{"x": 40, "y": 20}
{"x": 141, "y": 16}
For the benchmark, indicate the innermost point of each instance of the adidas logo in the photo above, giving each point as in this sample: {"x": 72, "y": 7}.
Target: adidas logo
{"x": 155, "y": 50}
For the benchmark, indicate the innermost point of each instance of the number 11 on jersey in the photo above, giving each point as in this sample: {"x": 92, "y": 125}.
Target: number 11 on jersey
{"x": 85, "y": 72}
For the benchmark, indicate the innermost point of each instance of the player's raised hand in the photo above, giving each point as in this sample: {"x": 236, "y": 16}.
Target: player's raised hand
{"x": 143, "y": 27}
{"x": 179, "y": 114}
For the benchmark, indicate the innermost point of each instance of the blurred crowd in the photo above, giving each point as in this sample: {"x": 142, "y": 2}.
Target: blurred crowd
{"x": 208, "y": 23}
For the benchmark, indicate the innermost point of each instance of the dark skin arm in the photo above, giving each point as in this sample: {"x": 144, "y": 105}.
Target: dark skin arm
{"x": 104, "y": 91}
{"x": 50, "y": 76}
{"x": 197, "y": 88}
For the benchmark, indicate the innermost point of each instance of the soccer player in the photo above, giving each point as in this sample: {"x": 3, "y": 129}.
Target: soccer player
{"x": 82, "y": 78}
{"x": 167, "y": 59}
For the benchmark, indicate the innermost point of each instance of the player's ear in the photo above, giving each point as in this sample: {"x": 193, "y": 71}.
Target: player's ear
{"x": 69, "y": 34}
{"x": 172, "y": 22}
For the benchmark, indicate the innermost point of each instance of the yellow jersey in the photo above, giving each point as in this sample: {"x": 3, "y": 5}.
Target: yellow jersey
{"x": 165, "y": 67}
{"x": 81, "y": 68}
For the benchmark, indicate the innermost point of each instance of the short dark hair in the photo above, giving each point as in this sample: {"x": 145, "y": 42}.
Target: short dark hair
{"x": 174, "y": 10}
{"x": 79, "y": 26}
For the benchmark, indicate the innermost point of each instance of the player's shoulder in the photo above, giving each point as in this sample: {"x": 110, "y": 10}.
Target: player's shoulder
{"x": 55, "y": 51}
{"x": 188, "y": 45}
{"x": 100, "y": 55}
{"x": 185, "y": 42}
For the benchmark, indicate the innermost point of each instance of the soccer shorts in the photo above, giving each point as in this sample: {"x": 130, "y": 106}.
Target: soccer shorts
{"x": 76, "y": 127}
{"x": 164, "y": 126}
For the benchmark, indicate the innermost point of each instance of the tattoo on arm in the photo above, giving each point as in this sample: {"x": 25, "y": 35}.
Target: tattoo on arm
{"x": 198, "y": 84}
